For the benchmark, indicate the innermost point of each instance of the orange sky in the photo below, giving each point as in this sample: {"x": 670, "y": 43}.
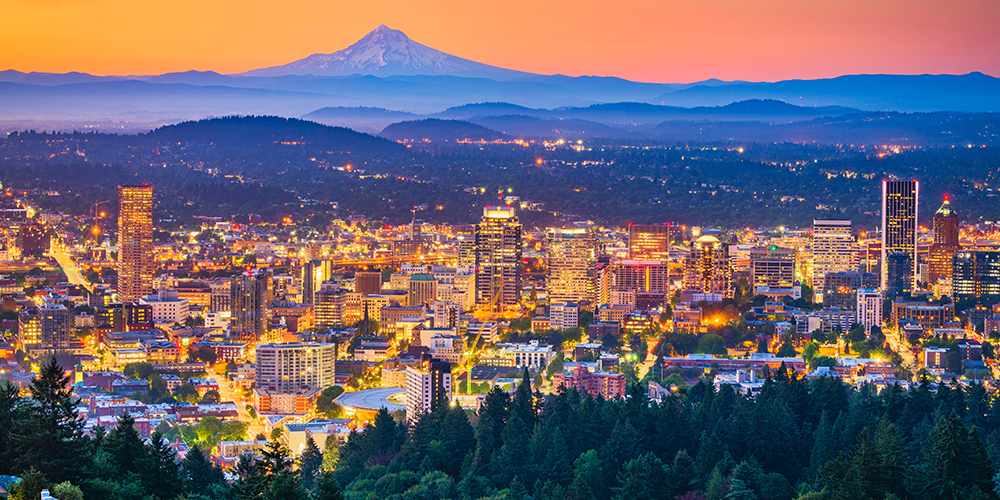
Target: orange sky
{"x": 645, "y": 40}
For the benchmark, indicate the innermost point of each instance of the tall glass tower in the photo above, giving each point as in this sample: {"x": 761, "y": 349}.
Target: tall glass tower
{"x": 135, "y": 242}
{"x": 899, "y": 223}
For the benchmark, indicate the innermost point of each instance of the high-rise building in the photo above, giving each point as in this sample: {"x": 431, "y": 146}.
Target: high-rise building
{"x": 572, "y": 262}
{"x": 329, "y": 301}
{"x": 314, "y": 273}
{"x": 135, "y": 242}
{"x": 221, "y": 294}
{"x": 649, "y": 242}
{"x": 427, "y": 386}
{"x": 869, "y": 308}
{"x": 707, "y": 267}
{"x": 945, "y": 243}
{"x": 33, "y": 240}
{"x": 498, "y": 258}
{"x": 642, "y": 276}
{"x": 833, "y": 250}
{"x": 293, "y": 367}
{"x": 251, "y": 306}
{"x": 422, "y": 289}
{"x": 465, "y": 244}
{"x": 899, "y": 225}
{"x": 841, "y": 288}
{"x": 898, "y": 275}
{"x": 773, "y": 266}
{"x": 975, "y": 274}
{"x": 46, "y": 326}
{"x": 368, "y": 282}
{"x": 124, "y": 317}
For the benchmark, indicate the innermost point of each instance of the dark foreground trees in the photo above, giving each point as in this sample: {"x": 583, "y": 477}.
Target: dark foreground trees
{"x": 814, "y": 439}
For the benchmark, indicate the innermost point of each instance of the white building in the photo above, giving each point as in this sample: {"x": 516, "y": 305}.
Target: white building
{"x": 531, "y": 355}
{"x": 425, "y": 387}
{"x": 167, "y": 307}
{"x": 218, "y": 319}
{"x": 445, "y": 314}
{"x": 869, "y": 308}
{"x": 564, "y": 315}
{"x": 291, "y": 367}
{"x": 447, "y": 347}
{"x": 489, "y": 330}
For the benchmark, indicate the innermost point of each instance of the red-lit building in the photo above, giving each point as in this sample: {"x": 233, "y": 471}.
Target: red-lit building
{"x": 605, "y": 384}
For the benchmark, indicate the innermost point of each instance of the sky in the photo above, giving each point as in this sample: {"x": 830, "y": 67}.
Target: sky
{"x": 643, "y": 40}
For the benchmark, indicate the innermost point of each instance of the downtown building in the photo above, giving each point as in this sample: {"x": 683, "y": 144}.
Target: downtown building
{"x": 946, "y": 243}
{"x": 571, "y": 256}
{"x": 135, "y": 242}
{"x": 975, "y": 274}
{"x": 427, "y": 386}
{"x": 498, "y": 258}
{"x": 707, "y": 270}
{"x": 250, "y": 306}
{"x": 649, "y": 242}
{"x": 44, "y": 327}
{"x": 833, "y": 250}
{"x": 899, "y": 233}
{"x": 289, "y": 377}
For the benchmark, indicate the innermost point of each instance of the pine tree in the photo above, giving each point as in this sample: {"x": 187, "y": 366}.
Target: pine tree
{"x": 508, "y": 461}
{"x": 30, "y": 487}
{"x": 682, "y": 475}
{"x": 955, "y": 462}
{"x": 524, "y": 403}
{"x": 126, "y": 446}
{"x": 51, "y": 438}
{"x": 489, "y": 431}
{"x": 285, "y": 486}
{"x": 642, "y": 477}
{"x": 198, "y": 472}
{"x": 12, "y": 410}
{"x": 587, "y": 477}
{"x": 327, "y": 487}
{"x": 161, "y": 474}
{"x": 331, "y": 453}
{"x": 310, "y": 462}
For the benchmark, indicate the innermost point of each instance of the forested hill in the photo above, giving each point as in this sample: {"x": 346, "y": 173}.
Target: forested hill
{"x": 253, "y": 132}
{"x": 439, "y": 130}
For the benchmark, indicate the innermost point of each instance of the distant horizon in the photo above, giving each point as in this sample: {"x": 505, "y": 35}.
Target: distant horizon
{"x": 663, "y": 42}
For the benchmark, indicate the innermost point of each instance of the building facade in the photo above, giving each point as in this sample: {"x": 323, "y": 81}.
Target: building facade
{"x": 899, "y": 224}
{"x": 290, "y": 368}
{"x": 571, "y": 256}
{"x": 135, "y": 242}
{"x": 498, "y": 258}
{"x": 946, "y": 243}
{"x": 250, "y": 306}
{"x": 833, "y": 250}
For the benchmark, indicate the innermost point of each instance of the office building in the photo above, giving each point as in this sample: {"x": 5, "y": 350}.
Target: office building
{"x": 571, "y": 265}
{"x": 833, "y": 250}
{"x": 641, "y": 276}
{"x": 292, "y": 367}
{"x": 869, "y": 308}
{"x": 945, "y": 244}
{"x": 167, "y": 307}
{"x": 368, "y": 282}
{"x": 250, "y": 306}
{"x": 33, "y": 240}
{"x": 564, "y": 315}
{"x": 221, "y": 294}
{"x": 328, "y": 307}
{"x": 498, "y": 259}
{"x": 423, "y": 289}
{"x": 899, "y": 228}
{"x": 898, "y": 275}
{"x": 649, "y": 242}
{"x": 314, "y": 273}
{"x": 975, "y": 274}
{"x": 124, "y": 317}
{"x": 135, "y": 242}
{"x": 772, "y": 266}
{"x": 427, "y": 386}
{"x": 707, "y": 267}
{"x": 841, "y": 288}
{"x": 46, "y": 326}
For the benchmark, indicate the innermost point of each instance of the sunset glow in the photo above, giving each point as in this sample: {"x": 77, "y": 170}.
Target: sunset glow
{"x": 657, "y": 41}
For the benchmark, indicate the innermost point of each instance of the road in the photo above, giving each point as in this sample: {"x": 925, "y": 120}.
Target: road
{"x": 226, "y": 393}
{"x": 909, "y": 360}
{"x": 62, "y": 255}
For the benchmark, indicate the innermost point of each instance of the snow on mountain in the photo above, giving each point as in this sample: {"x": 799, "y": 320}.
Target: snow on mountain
{"x": 387, "y": 52}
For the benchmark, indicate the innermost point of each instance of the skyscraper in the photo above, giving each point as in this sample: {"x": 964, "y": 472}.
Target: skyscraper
{"x": 368, "y": 282}
{"x": 899, "y": 224}
{"x": 427, "y": 386}
{"x": 945, "y": 243}
{"x": 498, "y": 258}
{"x": 707, "y": 268}
{"x": 833, "y": 250}
{"x": 135, "y": 242}
{"x": 975, "y": 274}
{"x": 649, "y": 242}
{"x": 422, "y": 289}
{"x": 251, "y": 305}
{"x": 572, "y": 262}
{"x": 314, "y": 273}
{"x": 288, "y": 368}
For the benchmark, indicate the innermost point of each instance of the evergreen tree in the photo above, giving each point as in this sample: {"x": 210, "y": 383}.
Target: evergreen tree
{"x": 682, "y": 475}
{"x": 285, "y": 486}
{"x": 11, "y": 414}
{"x": 954, "y": 462}
{"x": 51, "y": 439}
{"x": 489, "y": 431}
{"x": 331, "y": 453}
{"x": 524, "y": 403}
{"x": 30, "y": 486}
{"x": 642, "y": 477}
{"x": 198, "y": 471}
{"x": 310, "y": 461}
{"x": 161, "y": 474}
{"x": 327, "y": 487}
{"x": 126, "y": 446}
{"x": 587, "y": 477}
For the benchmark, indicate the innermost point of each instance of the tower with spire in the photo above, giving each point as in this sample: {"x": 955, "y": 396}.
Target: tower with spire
{"x": 945, "y": 243}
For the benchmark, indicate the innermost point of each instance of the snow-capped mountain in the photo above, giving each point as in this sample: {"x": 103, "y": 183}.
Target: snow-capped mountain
{"x": 386, "y": 52}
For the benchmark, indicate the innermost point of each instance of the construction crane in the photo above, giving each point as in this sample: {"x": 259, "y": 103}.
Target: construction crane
{"x": 95, "y": 205}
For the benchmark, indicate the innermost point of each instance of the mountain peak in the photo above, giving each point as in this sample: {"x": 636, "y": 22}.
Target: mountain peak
{"x": 386, "y": 52}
